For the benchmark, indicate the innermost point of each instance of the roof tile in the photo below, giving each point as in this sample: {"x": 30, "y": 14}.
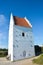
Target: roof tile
{"x": 21, "y": 22}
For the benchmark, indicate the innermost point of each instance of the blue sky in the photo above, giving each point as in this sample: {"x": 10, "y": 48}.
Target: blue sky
{"x": 32, "y": 9}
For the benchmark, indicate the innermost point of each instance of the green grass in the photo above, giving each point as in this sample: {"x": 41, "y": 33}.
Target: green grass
{"x": 39, "y": 60}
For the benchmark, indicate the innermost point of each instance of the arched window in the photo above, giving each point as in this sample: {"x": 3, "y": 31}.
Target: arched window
{"x": 24, "y": 53}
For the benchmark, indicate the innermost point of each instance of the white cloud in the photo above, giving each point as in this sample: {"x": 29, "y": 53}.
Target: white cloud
{"x": 3, "y": 30}
{"x": 3, "y": 19}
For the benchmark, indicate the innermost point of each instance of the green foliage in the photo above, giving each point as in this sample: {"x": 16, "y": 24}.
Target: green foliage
{"x": 39, "y": 60}
{"x": 37, "y": 50}
{"x": 3, "y": 52}
{"x": 42, "y": 49}
{"x": 3, "y": 49}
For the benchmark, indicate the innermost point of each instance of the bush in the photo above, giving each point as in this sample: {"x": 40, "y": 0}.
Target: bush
{"x": 3, "y": 52}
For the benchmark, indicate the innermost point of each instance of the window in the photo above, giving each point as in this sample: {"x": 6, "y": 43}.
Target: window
{"x": 24, "y": 53}
{"x": 23, "y": 34}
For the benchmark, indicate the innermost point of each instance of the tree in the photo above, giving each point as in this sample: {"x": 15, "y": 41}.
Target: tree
{"x": 42, "y": 49}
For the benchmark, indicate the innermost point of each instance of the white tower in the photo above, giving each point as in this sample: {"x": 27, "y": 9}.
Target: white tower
{"x": 10, "y": 42}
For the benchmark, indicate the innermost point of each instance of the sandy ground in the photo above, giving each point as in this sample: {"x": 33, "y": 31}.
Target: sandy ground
{"x": 4, "y": 61}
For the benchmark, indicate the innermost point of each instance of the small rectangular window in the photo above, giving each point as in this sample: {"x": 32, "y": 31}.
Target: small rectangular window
{"x": 23, "y": 34}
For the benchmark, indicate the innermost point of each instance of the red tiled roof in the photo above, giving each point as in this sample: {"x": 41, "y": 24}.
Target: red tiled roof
{"x": 21, "y": 22}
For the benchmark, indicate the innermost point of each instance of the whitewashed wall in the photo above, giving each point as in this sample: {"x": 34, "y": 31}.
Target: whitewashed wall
{"x": 10, "y": 38}
{"x": 21, "y": 43}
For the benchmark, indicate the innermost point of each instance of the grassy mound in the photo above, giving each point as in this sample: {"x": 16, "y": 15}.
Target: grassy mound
{"x": 39, "y": 60}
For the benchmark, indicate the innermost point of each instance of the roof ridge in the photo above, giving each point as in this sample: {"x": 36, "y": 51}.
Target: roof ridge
{"x": 28, "y": 21}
